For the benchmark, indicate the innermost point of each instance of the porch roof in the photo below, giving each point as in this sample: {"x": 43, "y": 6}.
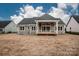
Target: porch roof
{"x": 47, "y": 17}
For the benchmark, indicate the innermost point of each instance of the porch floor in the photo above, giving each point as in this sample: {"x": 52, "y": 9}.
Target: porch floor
{"x": 46, "y": 33}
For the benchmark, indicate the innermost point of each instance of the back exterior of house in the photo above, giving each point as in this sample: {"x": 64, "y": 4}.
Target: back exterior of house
{"x": 45, "y": 24}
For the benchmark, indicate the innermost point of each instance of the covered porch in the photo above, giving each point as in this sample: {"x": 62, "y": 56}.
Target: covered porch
{"x": 47, "y": 27}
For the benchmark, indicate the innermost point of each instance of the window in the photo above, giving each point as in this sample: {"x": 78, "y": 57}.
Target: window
{"x": 33, "y": 28}
{"x": 46, "y": 28}
{"x": 43, "y": 28}
{"x": 59, "y": 28}
{"x": 21, "y": 28}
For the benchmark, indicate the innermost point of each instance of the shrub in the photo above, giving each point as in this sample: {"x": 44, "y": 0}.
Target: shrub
{"x": 76, "y": 33}
{"x": 9, "y": 32}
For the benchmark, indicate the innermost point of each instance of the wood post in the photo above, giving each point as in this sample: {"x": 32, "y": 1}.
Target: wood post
{"x": 56, "y": 27}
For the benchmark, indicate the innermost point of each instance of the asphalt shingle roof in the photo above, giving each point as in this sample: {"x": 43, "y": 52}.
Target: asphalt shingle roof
{"x": 76, "y": 17}
{"x": 47, "y": 17}
{"x": 27, "y": 21}
{"x": 4, "y": 23}
{"x": 43, "y": 17}
{"x": 61, "y": 22}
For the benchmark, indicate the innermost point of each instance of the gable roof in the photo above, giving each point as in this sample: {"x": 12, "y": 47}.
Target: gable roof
{"x": 4, "y": 23}
{"x": 27, "y": 21}
{"x": 76, "y": 17}
{"x": 47, "y": 17}
{"x": 43, "y": 17}
{"x": 61, "y": 22}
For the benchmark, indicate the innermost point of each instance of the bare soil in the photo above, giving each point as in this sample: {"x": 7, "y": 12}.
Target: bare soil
{"x": 42, "y": 45}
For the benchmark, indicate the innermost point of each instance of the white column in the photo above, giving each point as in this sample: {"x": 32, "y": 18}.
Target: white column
{"x": 18, "y": 29}
{"x": 37, "y": 28}
{"x": 30, "y": 28}
{"x": 56, "y": 27}
{"x": 50, "y": 28}
{"x": 64, "y": 29}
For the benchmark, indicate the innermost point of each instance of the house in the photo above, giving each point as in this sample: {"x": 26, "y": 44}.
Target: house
{"x": 3, "y": 25}
{"x": 45, "y": 24}
{"x": 7, "y": 26}
{"x": 11, "y": 27}
{"x": 73, "y": 24}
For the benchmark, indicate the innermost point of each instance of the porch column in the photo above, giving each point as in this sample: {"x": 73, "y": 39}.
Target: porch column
{"x": 37, "y": 28}
{"x": 56, "y": 27}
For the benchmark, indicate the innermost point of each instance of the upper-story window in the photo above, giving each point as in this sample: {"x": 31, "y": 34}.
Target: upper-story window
{"x": 21, "y": 28}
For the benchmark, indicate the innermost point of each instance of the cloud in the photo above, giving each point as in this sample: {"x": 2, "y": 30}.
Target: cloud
{"x": 62, "y": 5}
{"x": 16, "y": 18}
{"x": 64, "y": 11}
{"x": 70, "y": 8}
{"x": 59, "y": 13}
{"x": 74, "y": 5}
{"x": 39, "y": 8}
{"x": 56, "y": 12}
{"x": 65, "y": 5}
{"x": 3, "y": 19}
{"x": 65, "y": 18}
{"x": 27, "y": 11}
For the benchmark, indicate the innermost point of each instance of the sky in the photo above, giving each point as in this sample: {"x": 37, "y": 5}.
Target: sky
{"x": 18, "y": 11}
{"x": 8, "y": 9}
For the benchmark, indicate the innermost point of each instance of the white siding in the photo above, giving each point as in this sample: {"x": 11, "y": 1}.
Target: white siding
{"x": 63, "y": 29}
{"x": 11, "y": 27}
{"x": 26, "y": 29}
{"x": 74, "y": 26}
{"x": 30, "y": 31}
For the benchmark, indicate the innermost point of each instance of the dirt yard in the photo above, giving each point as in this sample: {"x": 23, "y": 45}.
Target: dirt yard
{"x": 43, "y": 45}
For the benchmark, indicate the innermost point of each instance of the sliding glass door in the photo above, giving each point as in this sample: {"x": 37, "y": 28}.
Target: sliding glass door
{"x": 45, "y": 28}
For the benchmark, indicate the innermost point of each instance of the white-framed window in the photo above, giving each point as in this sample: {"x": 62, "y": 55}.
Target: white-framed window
{"x": 46, "y": 28}
{"x": 33, "y": 27}
{"x": 60, "y": 28}
{"x": 21, "y": 28}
